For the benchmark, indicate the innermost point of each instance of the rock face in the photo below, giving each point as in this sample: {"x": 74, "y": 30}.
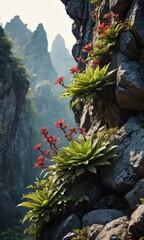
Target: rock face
{"x": 38, "y": 60}
{"x": 61, "y": 58}
{"x": 121, "y": 215}
{"x": 34, "y": 48}
{"x": 15, "y": 131}
{"x": 18, "y": 31}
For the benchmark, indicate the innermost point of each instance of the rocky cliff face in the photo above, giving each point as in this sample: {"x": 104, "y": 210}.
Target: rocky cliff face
{"x": 62, "y": 60}
{"x": 34, "y": 48}
{"x": 119, "y": 214}
{"x": 15, "y": 131}
{"x": 19, "y": 33}
{"x": 38, "y": 60}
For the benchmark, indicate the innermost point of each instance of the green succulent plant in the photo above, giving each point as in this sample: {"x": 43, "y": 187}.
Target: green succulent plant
{"x": 81, "y": 233}
{"x": 43, "y": 203}
{"x": 86, "y": 84}
{"x": 78, "y": 157}
{"x": 111, "y": 34}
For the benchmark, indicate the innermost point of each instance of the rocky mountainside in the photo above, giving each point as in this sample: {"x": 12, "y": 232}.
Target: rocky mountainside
{"x": 19, "y": 33}
{"x": 116, "y": 198}
{"x": 34, "y": 48}
{"x": 61, "y": 58}
{"x": 15, "y": 132}
{"x": 37, "y": 58}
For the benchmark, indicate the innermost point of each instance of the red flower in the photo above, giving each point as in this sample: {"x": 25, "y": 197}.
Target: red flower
{"x": 95, "y": 62}
{"x": 59, "y": 123}
{"x": 44, "y": 131}
{"x": 60, "y": 80}
{"x": 80, "y": 59}
{"x": 82, "y": 130}
{"x": 74, "y": 70}
{"x": 37, "y": 147}
{"x": 54, "y": 152}
{"x": 107, "y": 16}
{"x": 101, "y": 27}
{"x": 116, "y": 16}
{"x": 87, "y": 47}
{"x": 47, "y": 153}
{"x": 65, "y": 126}
{"x": 73, "y": 130}
{"x": 40, "y": 162}
{"x": 50, "y": 139}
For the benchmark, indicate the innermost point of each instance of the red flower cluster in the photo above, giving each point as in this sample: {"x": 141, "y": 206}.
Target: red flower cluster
{"x": 44, "y": 131}
{"x": 40, "y": 162}
{"x": 59, "y": 123}
{"x": 51, "y": 141}
{"x": 87, "y": 47}
{"x": 60, "y": 81}
{"x": 80, "y": 59}
{"x": 74, "y": 70}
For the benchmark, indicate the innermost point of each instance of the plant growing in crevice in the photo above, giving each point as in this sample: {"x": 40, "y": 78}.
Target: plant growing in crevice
{"x": 63, "y": 183}
{"x": 85, "y": 85}
{"x": 81, "y": 234}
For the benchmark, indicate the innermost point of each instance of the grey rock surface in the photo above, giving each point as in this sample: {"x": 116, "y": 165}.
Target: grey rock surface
{"x": 68, "y": 225}
{"x": 128, "y": 167}
{"x": 93, "y": 231}
{"x": 136, "y": 224}
{"x": 128, "y": 46}
{"x": 101, "y": 216}
{"x": 133, "y": 197}
{"x": 114, "y": 229}
{"x": 130, "y": 86}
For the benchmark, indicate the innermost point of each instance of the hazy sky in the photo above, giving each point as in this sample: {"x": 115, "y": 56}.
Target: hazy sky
{"x": 51, "y": 13}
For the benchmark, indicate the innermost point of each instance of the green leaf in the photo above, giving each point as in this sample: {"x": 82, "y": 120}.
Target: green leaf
{"x": 91, "y": 169}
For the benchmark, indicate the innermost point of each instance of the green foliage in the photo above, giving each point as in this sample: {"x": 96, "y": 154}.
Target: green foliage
{"x": 105, "y": 134}
{"x": 81, "y": 234}
{"x": 64, "y": 182}
{"x": 86, "y": 84}
{"x": 110, "y": 35}
{"x": 74, "y": 160}
{"x": 5, "y": 50}
{"x": 95, "y": 11}
{"x": 15, "y": 233}
{"x": 100, "y": 49}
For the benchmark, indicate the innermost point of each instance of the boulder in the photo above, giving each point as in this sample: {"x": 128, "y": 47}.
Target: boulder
{"x": 93, "y": 231}
{"x": 128, "y": 45}
{"x": 119, "y": 6}
{"x": 68, "y": 225}
{"x": 114, "y": 229}
{"x": 133, "y": 197}
{"x": 136, "y": 224}
{"x": 69, "y": 236}
{"x": 130, "y": 86}
{"x": 135, "y": 18}
{"x": 101, "y": 216}
{"x": 128, "y": 167}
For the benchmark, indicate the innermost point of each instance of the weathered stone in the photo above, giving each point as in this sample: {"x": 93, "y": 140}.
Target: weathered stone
{"x": 93, "y": 231}
{"x": 136, "y": 224}
{"x": 114, "y": 229}
{"x": 128, "y": 167}
{"x": 69, "y": 236}
{"x": 136, "y": 19}
{"x": 130, "y": 86}
{"x": 128, "y": 45}
{"x": 133, "y": 197}
{"x": 119, "y": 6}
{"x": 120, "y": 58}
{"x": 68, "y": 225}
{"x": 101, "y": 216}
